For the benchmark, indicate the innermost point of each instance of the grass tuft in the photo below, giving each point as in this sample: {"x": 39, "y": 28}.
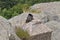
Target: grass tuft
{"x": 22, "y": 34}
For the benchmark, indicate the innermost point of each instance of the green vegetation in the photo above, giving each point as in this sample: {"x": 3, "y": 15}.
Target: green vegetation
{"x": 22, "y": 34}
{"x": 11, "y": 8}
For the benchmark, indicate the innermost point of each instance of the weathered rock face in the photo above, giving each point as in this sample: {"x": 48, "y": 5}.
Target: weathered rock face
{"x": 6, "y": 30}
{"x": 37, "y": 30}
{"x": 51, "y": 10}
{"x": 3, "y": 29}
{"x": 44, "y": 17}
{"x": 50, "y": 17}
{"x": 55, "y": 26}
{"x": 51, "y": 7}
{"x": 21, "y": 19}
{"x": 29, "y": 26}
{"x": 14, "y": 37}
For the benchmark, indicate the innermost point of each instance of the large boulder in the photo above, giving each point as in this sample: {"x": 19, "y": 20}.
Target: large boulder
{"x": 6, "y": 30}
{"x": 37, "y": 31}
{"x": 55, "y": 26}
{"x": 20, "y": 20}
{"x": 51, "y": 7}
{"x": 49, "y": 17}
{"x": 51, "y": 10}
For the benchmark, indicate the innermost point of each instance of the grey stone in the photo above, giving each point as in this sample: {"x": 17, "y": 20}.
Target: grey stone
{"x": 6, "y": 30}
{"x": 14, "y": 37}
{"x": 55, "y": 26}
{"x": 3, "y": 29}
{"x": 44, "y": 17}
{"x": 52, "y": 16}
{"x": 20, "y": 20}
{"x": 51, "y": 7}
{"x": 49, "y": 17}
{"x": 37, "y": 30}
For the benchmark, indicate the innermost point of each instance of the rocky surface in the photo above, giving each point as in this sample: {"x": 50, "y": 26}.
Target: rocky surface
{"x": 55, "y": 26}
{"x": 51, "y": 7}
{"x": 50, "y": 16}
{"x": 35, "y": 27}
{"x": 44, "y": 18}
{"x": 20, "y": 20}
{"x": 6, "y": 30}
{"x": 37, "y": 31}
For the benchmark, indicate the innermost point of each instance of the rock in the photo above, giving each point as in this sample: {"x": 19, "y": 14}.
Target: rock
{"x": 55, "y": 26}
{"x": 20, "y": 20}
{"x": 46, "y": 17}
{"x": 14, "y": 37}
{"x": 37, "y": 31}
{"x": 51, "y": 7}
{"x": 59, "y": 18}
{"x": 33, "y": 22}
{"x": 52, "y": 16}
{"x": 6, "y": 30}
{"x": 51, "y": 11}
{"x": 11, "y": 37}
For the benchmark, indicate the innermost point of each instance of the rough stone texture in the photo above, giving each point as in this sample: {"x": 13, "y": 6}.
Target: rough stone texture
{"x": 51, "y": 7}
{"x": 6, "y": 30}
{"x": 43, "y": 17}
{"x": 38, "y": 31}
{"x": 44, "y": 36}
{"x": 55, "y": 26}
{"x": 3, "y": 29}
{"x": 51, "y": 10}
{"x": 21, "y": 19}
{"x": 14, "y": 37}
{"x": 50, "y": 16}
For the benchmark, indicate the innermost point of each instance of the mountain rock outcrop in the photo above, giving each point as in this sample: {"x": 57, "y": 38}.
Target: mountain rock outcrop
{"x": 55, "y": 26}
{"x": 6, "y": 30}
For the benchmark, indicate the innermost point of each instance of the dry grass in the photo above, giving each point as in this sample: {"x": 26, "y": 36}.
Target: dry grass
{"x": 22, "y": 34}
